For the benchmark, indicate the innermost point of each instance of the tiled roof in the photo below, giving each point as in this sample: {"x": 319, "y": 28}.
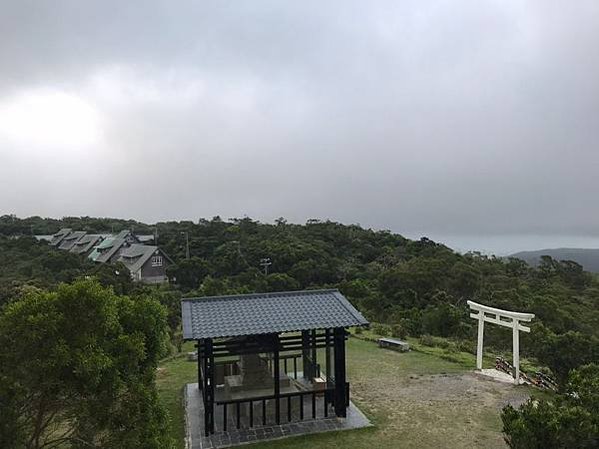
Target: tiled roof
{"x": 265, "y": 313}
{"x": 86, "y": 243}
{"x": 104, "y": 244}
{"x": 136, "y": 255}
{"x": 57, "y": 238}
{"x": 69, "y": 241}
{"x": 109, "y": 250}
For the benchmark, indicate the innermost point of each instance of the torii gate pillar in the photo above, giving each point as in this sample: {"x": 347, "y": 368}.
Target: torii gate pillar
{"x": 503, "y": 318}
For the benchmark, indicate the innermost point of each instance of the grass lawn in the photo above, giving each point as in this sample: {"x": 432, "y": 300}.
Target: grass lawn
{"x": 172, "y": 376}
{"x": 415, "y": 400}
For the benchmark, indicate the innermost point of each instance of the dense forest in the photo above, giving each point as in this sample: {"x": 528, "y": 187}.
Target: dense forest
{"x": 408, "y": 288}
{"x": 420, "y": 286}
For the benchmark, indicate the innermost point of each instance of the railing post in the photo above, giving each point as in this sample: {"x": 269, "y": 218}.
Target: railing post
{"x": 251, "y": 414}
{"x": 295, "y": 367}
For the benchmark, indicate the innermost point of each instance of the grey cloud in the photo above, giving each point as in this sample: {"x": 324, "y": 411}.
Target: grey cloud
{"x": 442, "y": 117}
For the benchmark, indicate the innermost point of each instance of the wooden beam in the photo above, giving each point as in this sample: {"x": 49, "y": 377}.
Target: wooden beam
{"x": 507, "y": 313}
{"x": 500, "y": 322}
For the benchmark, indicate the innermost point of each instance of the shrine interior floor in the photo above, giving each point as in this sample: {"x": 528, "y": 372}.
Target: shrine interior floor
{"x": 196, "y": 439}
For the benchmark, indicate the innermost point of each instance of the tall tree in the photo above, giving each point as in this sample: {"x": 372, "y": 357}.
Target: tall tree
{"x": 77, "y": 369}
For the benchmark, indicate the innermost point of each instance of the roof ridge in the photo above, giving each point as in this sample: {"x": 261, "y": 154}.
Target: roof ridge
{"x": 266, "y": 294}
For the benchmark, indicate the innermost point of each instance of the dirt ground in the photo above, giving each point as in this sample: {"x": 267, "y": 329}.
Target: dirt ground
{"x": 441, "y": 410}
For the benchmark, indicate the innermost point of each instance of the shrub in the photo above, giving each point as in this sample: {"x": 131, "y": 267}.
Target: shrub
{"x": 397, "y": 330}
{"x": 436, "y": 342}
{"x": 381, "y": 329}
{"x": 427, "y": 340}
{"x": 466, "y": 346}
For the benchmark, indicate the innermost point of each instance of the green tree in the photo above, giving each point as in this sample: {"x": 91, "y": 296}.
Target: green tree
{"x": 562, "y": 353}
{"x": 442, "y": 320}
{"x": 569, "y": 421}
{"x": 115, "y": 275}
{"x": 77, "y": 369}
{"x": 188, "y": 273}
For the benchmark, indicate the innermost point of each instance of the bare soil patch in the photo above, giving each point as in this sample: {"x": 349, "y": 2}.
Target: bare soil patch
{"x": 441, "y": 410}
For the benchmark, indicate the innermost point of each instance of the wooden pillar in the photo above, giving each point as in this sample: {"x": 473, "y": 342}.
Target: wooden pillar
{"x": 208, "y": 387}
{"x": 339, "y": 394}
{"x": 199, "y": 348}
{"x": 306, "y": 354}
{"x": 516, "y": 351}
{"x": 481, "y": 333}
{"x": 314, "y": 355}
{"x": 277, "y": 380}
{"x": 327, "y": 369}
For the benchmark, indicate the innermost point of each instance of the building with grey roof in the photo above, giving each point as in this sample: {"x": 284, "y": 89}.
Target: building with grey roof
{"x": 109, "y": 250}
{"x": 128, "y": 236}
{"x": 146, "y": 263}
{"x": 70, "y": 240}
{"x": 100, "y": 247}
{"x": 59, "y": 236}
{"x": 267, "y": 313}
{"x": 269, "y": 358}
{"x": 86, "y": 243}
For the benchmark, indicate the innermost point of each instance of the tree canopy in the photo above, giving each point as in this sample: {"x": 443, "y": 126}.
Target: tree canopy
{"x": 77, "y": 368}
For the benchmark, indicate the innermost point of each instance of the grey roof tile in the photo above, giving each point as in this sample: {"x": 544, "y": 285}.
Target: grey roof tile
{"x": 70, "y": 240}
{"x": 110, "y": 249}
{"x": 136, "y": 255}
{"x": 86, "y": 243}
{"x": 264, "y": 313}
{"x": 59, "y": 236}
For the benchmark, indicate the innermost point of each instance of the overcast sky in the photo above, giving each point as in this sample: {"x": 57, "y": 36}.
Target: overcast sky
{"x": 474, "y": 122}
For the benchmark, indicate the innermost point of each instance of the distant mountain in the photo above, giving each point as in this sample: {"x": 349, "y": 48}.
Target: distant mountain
{"x": 588, "y": 258}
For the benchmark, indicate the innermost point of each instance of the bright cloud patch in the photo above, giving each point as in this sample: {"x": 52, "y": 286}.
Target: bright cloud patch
{"x": 48, "y": 119}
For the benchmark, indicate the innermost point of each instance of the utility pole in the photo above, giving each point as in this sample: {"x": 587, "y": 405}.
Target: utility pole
{"x": 186, "y": 243}
{"x": 265, "y": 263}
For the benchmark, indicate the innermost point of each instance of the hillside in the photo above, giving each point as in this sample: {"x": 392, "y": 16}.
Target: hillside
{"x": 414, "y": 289}
{"x": 587, "y": 257}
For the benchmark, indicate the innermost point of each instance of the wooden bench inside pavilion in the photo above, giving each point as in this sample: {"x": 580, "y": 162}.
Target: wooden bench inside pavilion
{"x": 270, "y": 358}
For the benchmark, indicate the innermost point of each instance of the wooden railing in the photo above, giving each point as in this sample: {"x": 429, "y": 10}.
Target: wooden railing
{"x": 327, "y": 394}
{"x": 292, "y": 359}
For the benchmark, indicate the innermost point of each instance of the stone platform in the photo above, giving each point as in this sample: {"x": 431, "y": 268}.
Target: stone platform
{"x": 196, "y": 439}
{"x": 499, "y": 376}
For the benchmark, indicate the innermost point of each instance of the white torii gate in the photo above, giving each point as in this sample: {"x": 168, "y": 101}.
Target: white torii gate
{"x": 503, "y": 318}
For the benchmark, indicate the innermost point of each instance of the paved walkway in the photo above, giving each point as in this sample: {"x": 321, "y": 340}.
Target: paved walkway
{"x": 195, "y": 438}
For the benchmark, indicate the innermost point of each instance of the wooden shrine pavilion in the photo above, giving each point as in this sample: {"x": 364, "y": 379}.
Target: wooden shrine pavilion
{"x": 269, "y": 358}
